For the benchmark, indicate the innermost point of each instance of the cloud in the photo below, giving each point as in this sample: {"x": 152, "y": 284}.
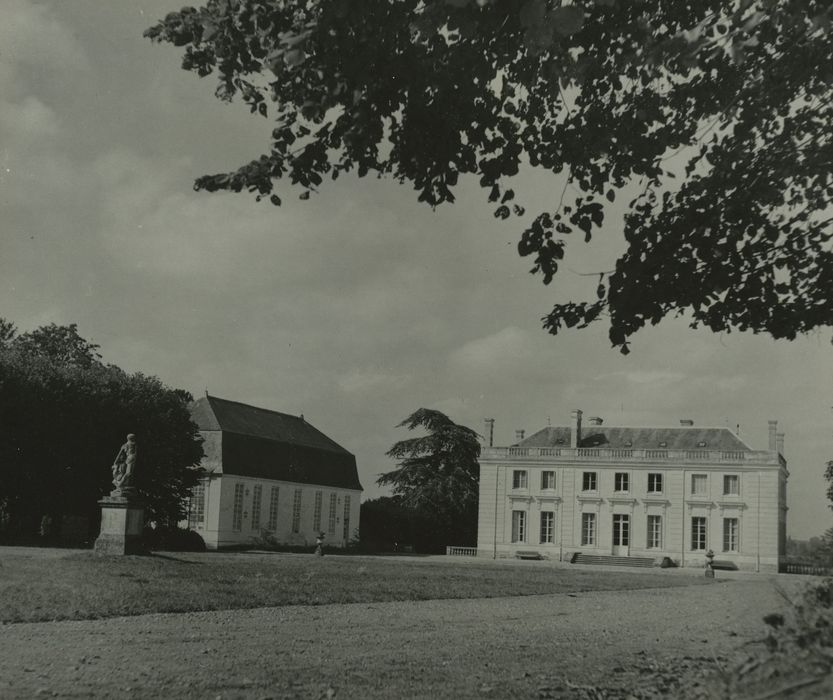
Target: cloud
{"x": 503, "y": 351}
{"x": 652, "y": 377}
{"x": 27, "y": 122}
{"x": 372, "y": 381}
{"x": 31, "y": 36}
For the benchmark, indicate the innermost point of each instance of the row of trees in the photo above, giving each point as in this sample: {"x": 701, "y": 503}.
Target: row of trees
{"x": 64, "y": 413}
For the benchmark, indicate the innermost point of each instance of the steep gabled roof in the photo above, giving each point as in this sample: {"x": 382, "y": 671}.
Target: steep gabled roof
{"x": 687, "y": 438}
{"x": 267, "y": 444}
{"x": 213, "y": 413}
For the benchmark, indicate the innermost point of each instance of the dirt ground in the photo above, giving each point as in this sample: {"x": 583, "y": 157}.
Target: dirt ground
{"x": 645, "y": 643}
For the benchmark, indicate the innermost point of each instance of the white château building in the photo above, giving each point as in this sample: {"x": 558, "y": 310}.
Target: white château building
{"x": 642, "y": 493}
{"x": 270, "y": 472}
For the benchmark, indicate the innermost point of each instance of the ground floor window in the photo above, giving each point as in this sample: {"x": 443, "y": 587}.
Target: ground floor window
{"x": 237, "y": 510}
{"x": 296, "y": 511}
{"x": 331, "y": 520}
{"x": 621, "y": 530}
{"x": 698, "y": 533}
{"x": 273, "y": 508}
{"x": 347, "y": 518}
{"x": 730, "y": 534}
{"x": 257, "y": 496}
{"x": 196, "y": 511}
{"x": 654, "y": 532}
{"x": 547, "y": 527}
{"x": 519, "y": 526}
{"x": 316, "y": 513}
{"x": 588, "y": 529}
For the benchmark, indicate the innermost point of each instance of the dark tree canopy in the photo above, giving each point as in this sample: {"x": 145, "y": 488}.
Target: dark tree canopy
{"x": 438, "y": 474}
{"x": 715, "y": 113}
{"x": 63, "y": 416}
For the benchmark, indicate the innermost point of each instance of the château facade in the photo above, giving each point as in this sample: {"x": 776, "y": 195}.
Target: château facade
{"x": 270, "y": 473}
{"x": 636, "y": 492}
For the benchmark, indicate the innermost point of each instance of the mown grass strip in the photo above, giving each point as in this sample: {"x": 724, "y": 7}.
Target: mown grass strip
{"x": 83, "y": 586}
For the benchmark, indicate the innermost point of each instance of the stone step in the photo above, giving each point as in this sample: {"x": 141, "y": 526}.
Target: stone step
{"x": 610, "y": 560}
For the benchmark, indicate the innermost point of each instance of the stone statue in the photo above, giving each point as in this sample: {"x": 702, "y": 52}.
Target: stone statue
{"x": 125, "y": 464}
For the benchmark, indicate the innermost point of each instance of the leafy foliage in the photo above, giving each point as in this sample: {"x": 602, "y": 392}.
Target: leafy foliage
{"x": 716, "y": 111}
{"x": 389, "y": 525}
{"x": 438, "y": 474}
{"x": 63, "y": 416}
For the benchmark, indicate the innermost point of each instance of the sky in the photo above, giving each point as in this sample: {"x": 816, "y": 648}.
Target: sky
{"x": 354, "y": 308}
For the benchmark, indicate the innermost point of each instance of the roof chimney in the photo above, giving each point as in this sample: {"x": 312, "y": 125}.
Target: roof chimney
{"x": 575, "y": 433}
{"x": 773, "y": 428}
{"x": 595, "y": 420}
{"x": 519, "y": 434}
{"x": 779, "y": 443}
{"x": 490, "y": 430}
{"x": 686, "y": 422}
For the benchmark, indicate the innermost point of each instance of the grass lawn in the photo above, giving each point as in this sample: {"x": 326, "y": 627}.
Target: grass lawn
{"x": 83, "y": 586}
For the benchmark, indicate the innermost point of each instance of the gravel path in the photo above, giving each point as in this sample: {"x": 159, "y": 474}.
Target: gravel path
{"x": 538, "y": 646}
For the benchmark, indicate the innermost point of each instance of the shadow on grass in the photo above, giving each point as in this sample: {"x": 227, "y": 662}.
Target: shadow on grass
{"x": 168, "y": 557}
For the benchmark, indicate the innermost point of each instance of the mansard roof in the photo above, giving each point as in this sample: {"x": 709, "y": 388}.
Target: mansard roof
{"x": 267, "y": 444}
{"x": 684, "y": 438}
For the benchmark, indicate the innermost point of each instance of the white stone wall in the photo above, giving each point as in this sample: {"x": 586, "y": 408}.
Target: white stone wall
{"x": 219, "y": 528}
{"x": 757, "y": 507}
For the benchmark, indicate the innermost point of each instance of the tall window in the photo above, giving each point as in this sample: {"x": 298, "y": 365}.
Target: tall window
{"x": 731, "y": 485}
{"x": 331, "y": 521}
{"x": 621, "y": 481}
{"x": 588, "y": 481}
{"x": 237, "y": 510}
{"x": 547, "y": 526}
{"x": 257, "y": 497}
{"x": 654, "y": 532}
{"x": 296, "y": 511}
{"x": 730, "y": 534}
{"x": 698, "y": 484}
{"x": 698, "y": 533}
{"x": 519, "y": 479}
{"x": 547, "y": 480}
{"x": 519, "y": 526}
{"x": 347, "y": 518}
{"x": 588, "y": 528}
{"x": 654, "y": 483}
{"x": 196, "y": 512}
{"x": 316, "y": 513}
{"x": 273, "y": 508}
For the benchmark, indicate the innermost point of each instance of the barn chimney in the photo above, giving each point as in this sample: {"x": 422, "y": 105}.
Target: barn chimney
{"x": 575, "y": 433}
{"x": 779, "y": 443}
{"x": 490, "y": 430}
{"x": 773, "y": 440}
{"x": 519, "y": 434}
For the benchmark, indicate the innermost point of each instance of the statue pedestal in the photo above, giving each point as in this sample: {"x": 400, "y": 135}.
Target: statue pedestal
{"x": 122, "y": 522}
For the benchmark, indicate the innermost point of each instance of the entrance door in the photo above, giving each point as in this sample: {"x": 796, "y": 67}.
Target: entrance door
{"x": 621, "y": 534}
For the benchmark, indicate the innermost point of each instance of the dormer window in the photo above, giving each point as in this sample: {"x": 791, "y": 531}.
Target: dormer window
{"x": 702, "y": 443}
{"x": 559, "y": 441}
{"x": 663, "y": 443}
{"x": 628, "y": 443}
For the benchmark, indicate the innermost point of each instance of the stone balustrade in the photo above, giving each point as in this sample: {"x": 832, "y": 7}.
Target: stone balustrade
{"x": 622, "y": 455}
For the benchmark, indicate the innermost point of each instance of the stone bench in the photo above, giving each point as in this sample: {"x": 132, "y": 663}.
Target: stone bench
{"x": 528, "y": 555}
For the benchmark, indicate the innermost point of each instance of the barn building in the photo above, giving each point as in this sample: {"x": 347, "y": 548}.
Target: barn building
{"x": 635, "y": 495}
{"x": 270, "y": 473}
